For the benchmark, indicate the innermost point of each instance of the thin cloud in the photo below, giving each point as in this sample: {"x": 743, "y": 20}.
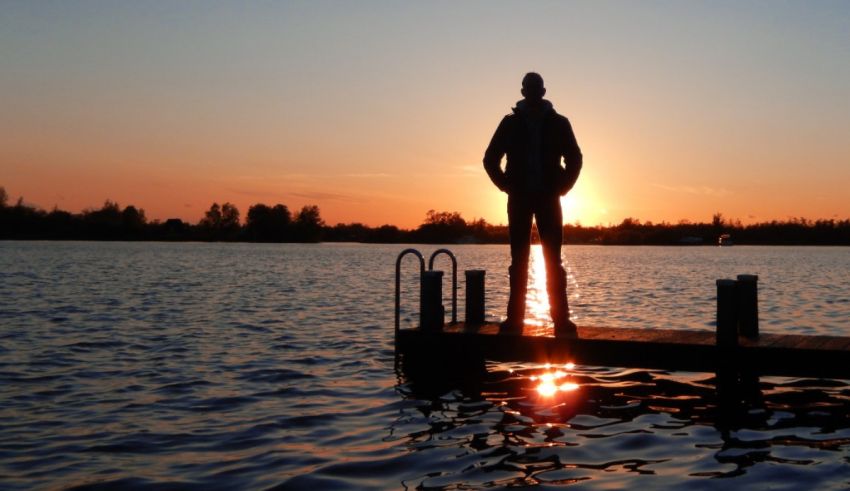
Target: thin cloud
{"x": 255, "y": 193}
{"x": 367, "y": 175}
{"x": 696, "y": 190}
{"x": 281, "y": 194}
{"x": 301, "y": 176}
{"x": 322, "y": 196}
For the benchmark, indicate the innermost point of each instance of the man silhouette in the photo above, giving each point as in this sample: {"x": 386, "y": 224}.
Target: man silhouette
{"x": 535, "y": 138}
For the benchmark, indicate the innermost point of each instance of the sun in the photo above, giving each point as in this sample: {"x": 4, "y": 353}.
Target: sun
{"x": 583, "y": 205}
{"x": 571, "y": 204}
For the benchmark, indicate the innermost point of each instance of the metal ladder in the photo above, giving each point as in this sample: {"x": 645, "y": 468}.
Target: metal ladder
{"x": 421, "y": 271}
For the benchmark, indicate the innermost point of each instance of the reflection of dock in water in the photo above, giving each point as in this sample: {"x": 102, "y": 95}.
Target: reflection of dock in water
{"x": 669, "y": 349}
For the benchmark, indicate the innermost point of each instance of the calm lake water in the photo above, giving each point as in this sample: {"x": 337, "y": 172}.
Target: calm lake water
{"x": 254, "y": 366}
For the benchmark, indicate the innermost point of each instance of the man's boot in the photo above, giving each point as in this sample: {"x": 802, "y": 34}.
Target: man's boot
{"x": 516, "y": 300}
{"x": 559, "y": 308}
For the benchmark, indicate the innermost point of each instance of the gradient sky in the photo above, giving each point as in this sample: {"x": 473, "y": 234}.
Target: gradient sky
{"x": 379, "y": 111}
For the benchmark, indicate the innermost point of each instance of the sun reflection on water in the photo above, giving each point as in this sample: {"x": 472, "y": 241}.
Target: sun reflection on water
{"x": 537, "y": 298}
{"x": 537, "y": 301}
{"x": 550, "y": 383}
{"x": 538, "y": 387}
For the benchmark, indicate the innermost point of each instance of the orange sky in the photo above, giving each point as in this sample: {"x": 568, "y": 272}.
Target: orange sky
{"x": 377, "y": 112}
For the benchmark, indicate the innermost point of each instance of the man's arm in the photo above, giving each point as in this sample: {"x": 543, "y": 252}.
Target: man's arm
{"x": 493, "y": 156}
{"x": 573, "y": 158}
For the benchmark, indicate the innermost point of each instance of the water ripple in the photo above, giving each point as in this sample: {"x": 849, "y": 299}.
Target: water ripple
{"x": 269, "y": 366}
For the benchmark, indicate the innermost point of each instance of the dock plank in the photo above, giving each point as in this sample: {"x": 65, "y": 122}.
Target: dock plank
{"x": 838, "y": 344}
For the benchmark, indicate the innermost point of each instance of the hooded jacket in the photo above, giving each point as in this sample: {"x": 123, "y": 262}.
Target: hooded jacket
{"x": 512, "y": 138}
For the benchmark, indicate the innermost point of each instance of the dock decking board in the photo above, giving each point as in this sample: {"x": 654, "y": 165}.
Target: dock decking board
{"x": 670, "y": 349}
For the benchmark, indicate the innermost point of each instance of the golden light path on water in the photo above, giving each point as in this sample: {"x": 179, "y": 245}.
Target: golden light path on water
{"x": 551, "y": 381}
{"x": 537, "y": 299}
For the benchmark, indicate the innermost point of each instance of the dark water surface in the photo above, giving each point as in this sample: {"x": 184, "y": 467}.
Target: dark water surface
{"x": 245, "y": 366}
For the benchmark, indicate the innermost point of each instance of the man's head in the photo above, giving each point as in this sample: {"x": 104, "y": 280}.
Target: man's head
{"x": 532, "y": 87}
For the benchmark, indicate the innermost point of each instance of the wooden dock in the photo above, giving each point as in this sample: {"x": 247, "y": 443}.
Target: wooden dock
{"x": 735, "y": 351}
{"x": 669, "y": 349}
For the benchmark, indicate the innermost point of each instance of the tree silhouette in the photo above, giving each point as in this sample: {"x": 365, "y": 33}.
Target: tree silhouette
{"x": 442, "y": 227}
{"x": 212, "y": 218}
{"x": 133, "y": 221}
{"x": 220, "y": 222}
{"x": 229, "y": 216}
{"x": 229, "y": 221}
{"x": 268, "y": 224}
{"x": 104, "y": 223}
{"x": 308, "y": 224}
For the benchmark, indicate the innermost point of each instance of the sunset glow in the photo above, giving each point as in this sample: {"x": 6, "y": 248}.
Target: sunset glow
{"x": 379, "y": 112}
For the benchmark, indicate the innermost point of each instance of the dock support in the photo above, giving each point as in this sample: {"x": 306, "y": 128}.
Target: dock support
{"x": 475, "y": 296}
{"x": 746, "y": 293}
{"x": 727, "y": 316}
{"x": 431, "y": 310}
{"x": 727, "y": 336}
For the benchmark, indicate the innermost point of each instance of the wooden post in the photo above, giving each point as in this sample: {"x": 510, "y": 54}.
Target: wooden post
{"x": 727, "y": 337}
{"x": 431, "y": 311}
{"x": 475, "y": 296}
{"x": 727, "y": 315}
{"x": 746, "y": 293}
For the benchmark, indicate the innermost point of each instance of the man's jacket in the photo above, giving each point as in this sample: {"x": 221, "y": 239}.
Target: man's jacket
{"x": 512, "y": 139}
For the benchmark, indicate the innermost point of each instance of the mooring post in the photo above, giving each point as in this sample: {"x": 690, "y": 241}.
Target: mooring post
{"x": 746, "y": 293}
{"x": 474, "y": 296}
{"x": 727, "y": 316}
{"x": 727, "y": 337}
{"x": 454, "y": 277}
{"x": 431, "y": 311}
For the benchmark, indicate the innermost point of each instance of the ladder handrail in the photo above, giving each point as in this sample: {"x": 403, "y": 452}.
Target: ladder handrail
{"x": 398, "y": 281}
{"x": 454, "y": 277}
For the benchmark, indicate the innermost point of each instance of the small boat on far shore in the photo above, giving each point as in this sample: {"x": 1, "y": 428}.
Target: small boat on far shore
{"x": 725, "y": 240}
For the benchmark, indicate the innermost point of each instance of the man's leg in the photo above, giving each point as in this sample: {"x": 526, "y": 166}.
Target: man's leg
{"x": 551, "y": 228}
{"x": 519, "y": 228}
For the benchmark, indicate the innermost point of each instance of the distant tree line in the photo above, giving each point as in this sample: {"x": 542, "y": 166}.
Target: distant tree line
{"x": 265, "y": 223}
{"x": 795, "y": 231}
{"x": 111, "y": 222}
